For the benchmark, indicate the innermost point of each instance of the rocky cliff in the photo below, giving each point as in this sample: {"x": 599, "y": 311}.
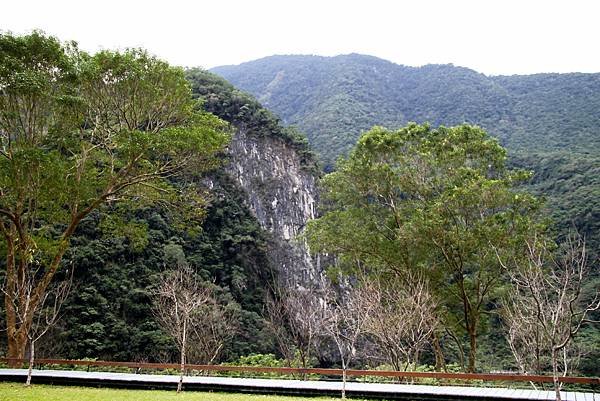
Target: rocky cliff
{"x": 275, "y": 169}
{"x": 282, "y": 195}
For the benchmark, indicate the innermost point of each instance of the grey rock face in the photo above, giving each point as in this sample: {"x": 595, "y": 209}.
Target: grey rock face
{"x": 282, "y": 195}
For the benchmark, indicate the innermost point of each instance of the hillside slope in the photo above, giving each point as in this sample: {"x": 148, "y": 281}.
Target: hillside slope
{"x": 550, "y": 123}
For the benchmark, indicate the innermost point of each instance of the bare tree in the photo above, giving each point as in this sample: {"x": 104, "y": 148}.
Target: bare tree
{"x": 347, "y": 317}
{"x": 215, "y": 325}
{"x": 46, "y": 316}
{"x": 187, "y": 310}
{"x": 402, "y": 319}
{"x": 545, "y": 310}
{"x": 297, "y": 317}
{"x": 278, "y": 323}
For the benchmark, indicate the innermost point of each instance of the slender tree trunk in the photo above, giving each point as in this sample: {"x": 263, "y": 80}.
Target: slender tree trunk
{"x": 344, "y": 382}
{"x": 31, "y": 358}
{"x": 555, "y": 374}
{"x": 182, "y": 367}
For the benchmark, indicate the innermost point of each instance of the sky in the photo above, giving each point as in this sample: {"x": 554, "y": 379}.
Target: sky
{"x": 494, "y": 37}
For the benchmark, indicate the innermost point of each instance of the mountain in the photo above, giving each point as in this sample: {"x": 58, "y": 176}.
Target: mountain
{"x": 333, "y": 99}
{"x": 549, "y": 122}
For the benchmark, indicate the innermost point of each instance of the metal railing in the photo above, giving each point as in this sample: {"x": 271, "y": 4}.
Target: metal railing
{"x": 303, "y": 372}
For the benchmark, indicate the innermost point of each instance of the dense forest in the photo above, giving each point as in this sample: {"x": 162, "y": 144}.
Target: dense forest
{"x": 109, "y": 315}
{"x": 548, "y": 122}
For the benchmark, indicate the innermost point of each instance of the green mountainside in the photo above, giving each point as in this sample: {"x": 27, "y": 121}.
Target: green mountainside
{"x": 334, "y": 99}
{"x": 550, "y": 123}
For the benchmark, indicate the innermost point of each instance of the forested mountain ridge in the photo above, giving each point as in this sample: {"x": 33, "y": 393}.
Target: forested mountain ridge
{"x": 324, "y": 95}
{"x": 549, "y": 122}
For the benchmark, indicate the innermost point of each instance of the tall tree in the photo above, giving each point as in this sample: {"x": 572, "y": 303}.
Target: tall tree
{"x": 78, "y": 132}
{"x": 346, "y": 322}
{"x": 427, "y": 200}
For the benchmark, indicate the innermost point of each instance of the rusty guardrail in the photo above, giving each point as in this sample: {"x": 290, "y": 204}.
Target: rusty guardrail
{"x": 314, "y": 371}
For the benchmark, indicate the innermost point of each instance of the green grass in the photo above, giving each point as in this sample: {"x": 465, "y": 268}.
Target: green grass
{"x": 17, "y": 392}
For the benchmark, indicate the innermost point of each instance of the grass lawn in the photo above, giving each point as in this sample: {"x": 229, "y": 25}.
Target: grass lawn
{"x": 17, "y": 392}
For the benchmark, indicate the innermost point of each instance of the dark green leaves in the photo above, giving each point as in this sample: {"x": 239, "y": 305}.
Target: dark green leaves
{"x": 439, "y": 202}
{"x": 78, "y": 132}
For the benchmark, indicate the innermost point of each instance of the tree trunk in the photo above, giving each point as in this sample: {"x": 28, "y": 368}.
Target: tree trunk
{"x": 17, "y": 344}
{"x": 181, "y": 371}
{"x": 472, "y": 354}
{"x": 304, "y": 363}
{"x": 555, "y": 375}
{"x": 17, "y": 337}
{"x": 182, "y": 367}
{"x": 31, "y": 358}
{"x": 344, "y": 383}
{"x": 472, "y": 348}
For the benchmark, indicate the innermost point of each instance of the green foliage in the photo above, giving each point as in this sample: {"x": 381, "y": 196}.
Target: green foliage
{"x": 401, "y": 187}
{"x": 268, "y": 360}
{"x": 438, "y": 202}
{"x": 548, "y": 122}
{"x": 79, "y": 132}
{"x": 264, "y": 360}
{"x": 570, "y": 183}
{"x": 120, "y": 250}
{"x": 109, "y": 315}
{"x": 221, "y": 98}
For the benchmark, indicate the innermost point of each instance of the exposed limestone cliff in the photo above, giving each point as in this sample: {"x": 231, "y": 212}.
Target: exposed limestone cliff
{"x": 282, "y": 194}
{"x": 274, "y": 167}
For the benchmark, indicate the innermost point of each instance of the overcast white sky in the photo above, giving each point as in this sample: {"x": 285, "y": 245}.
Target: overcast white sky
{"x": 493, "y": 37}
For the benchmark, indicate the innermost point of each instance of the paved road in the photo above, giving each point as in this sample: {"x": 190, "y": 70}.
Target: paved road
{"x": 296, "y": 387}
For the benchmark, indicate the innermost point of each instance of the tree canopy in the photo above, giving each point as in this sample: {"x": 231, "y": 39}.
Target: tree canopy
{"x": 439, "y": 202}
{"x": 79, "y": 131}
